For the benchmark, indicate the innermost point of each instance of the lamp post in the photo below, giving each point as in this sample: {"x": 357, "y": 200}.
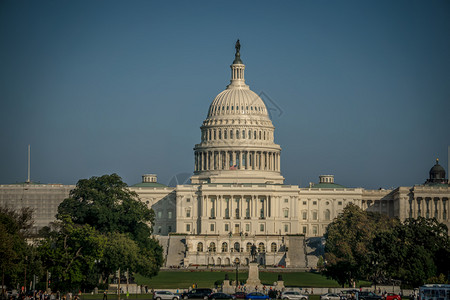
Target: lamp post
{"x": 236, "y": 261}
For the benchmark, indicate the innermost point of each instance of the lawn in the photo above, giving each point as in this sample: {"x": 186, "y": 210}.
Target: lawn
{"x": 185, "y": 279}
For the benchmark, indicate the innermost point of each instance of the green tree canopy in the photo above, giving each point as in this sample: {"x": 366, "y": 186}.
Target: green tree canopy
{"x": 348, "y": 251}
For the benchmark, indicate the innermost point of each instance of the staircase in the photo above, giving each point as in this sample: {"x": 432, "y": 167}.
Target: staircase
{"x": 176, "y": 250}
{"x": 296, "y": 252}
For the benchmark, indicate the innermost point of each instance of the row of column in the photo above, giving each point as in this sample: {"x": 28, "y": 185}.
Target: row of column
{"x": 239, "y": 207}
{"x": 429, "y": 207}
{"x": 237, "y": 160}
{"x": 212, "y": 134}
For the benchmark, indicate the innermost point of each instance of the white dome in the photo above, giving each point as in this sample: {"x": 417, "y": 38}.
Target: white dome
{"x": 237, "y": 101}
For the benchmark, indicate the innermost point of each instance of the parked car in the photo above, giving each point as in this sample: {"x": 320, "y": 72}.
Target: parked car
{"x": 392, "y": 296}
{"x": 165, "y": 295}
{"x": 239, "y": 295}
{"x": 256, "y": 295}
{"x": 197, "y": 294}
{"x": 330, "y": 296}
{"x": 348, "y": 294}
{"x": 221, "y": 296}
{"x": 292, "y": 295}
{"x": 368, "y": 296}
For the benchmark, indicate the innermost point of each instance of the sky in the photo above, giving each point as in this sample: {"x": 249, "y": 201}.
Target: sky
{"x": 358, "y": 89}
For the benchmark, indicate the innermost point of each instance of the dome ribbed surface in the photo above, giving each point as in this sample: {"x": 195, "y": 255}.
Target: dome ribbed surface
{"x": 237, "y": 101}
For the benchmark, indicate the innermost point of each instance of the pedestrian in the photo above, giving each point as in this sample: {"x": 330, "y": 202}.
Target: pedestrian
{"x": 105, "y": 295}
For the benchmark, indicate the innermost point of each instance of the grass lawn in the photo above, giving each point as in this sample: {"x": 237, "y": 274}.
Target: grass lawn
{"x": 183, "y": 280}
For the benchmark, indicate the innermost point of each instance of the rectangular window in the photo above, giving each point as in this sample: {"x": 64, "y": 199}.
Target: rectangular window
{"x": 188, "y": 227}
{"x": 159, "y": 214}
{"x": 169, "y": 215}
{"x": 314, "y": 202}
{"x": 286, "y": 228}
{"x": 314, "y": 215}
{"x": 227, "y": 227}
{"x": 304, "y": 215}
{"x": 211, "y": 227}
{"x": 261, "y": 227}
{"x": 188, "y": 199}
{"x": 315, "y": 230}
{"x": 286, "y": 213}
{"x": 286, "y": 200}
{"x": 247, "y": 227}
{"x": 339, "y": 202}
{"x": 304, "y": 202}
{"x": 188, "y": 213}
{"x": 304, "y": 229}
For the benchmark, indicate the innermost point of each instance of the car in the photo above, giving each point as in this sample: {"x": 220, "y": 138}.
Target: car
{"x": 221, "y": 296}
{"x": 197, "y": 294}
{"x": 330, "y": 296}
{"x": 368, "y": 296}
{"x": 256, "y": 295}
{"x": 392, "y": 296}
{"x": 239, "y": 295}
{"x": 165, "y": 295}
{"x": 291, "y": 295}
{"x": 348, "y": 294}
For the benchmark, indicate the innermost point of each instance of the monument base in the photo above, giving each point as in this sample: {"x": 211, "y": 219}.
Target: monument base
{"x": 253, "y": 282}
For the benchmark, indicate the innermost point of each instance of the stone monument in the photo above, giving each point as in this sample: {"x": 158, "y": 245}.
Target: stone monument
{"x": 253, "y": 273}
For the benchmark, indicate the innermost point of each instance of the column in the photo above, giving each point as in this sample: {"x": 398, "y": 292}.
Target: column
{"x": 240, "y": 160}
{"x": 234, "y": 157}
{"x": 279, "y": 162}
{"x": 254, "y": 160}
{"x": 219, "y": 156}
{"x": 247, "y": 160}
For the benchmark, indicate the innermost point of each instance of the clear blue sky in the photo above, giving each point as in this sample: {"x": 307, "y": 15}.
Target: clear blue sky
{"x": 361, "y": 88}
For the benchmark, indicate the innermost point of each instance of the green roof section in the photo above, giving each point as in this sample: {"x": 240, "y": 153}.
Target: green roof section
{"x": 327, "y": 186}
{"x": 149, "y": 185}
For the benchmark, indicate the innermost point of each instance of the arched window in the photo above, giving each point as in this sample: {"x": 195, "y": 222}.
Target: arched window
{"x": 212, "y": 247}
{"x": 243, "y": 133}
{"x": 224, "y": 247}
{"x": 254, "y": 135}
{"x": 326, "y": 214}
{"x": 273, "y": 247}
{"x": 237, "y": 134}
{"x": 220, "y": 134}
{"x": 225, "y": 134}
{"x": 248, "y": 248}
{"x": 249, "y": 135}
{"x": 200, "y": 247}
{"x": 231, "y": 134}
{"x": 237, "y": 247}
{"x": 260, "y": 135}
{"x": 261, "y": 247}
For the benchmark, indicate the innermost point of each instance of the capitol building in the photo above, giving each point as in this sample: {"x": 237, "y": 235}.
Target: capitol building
{"x": 237, "y": 197}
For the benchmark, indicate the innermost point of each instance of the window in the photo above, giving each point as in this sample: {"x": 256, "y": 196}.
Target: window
{"x": 188, "y": 213}
{"x": 159, "y": 229}
{"x": 314, "y": 215}
{"x": 188, "y": 227}
{"x": 170, "y": 228}
{"x": 261, "y": 247}
{"x": 212, "y": 247}
{"x": 188, "y": 199}
{"x": 224, "y": 247}
{"x": 286, "y": 227}
{"x": 247, "y": 227}
{"x": 261, "y": 227}
{"x": 304, "y": 215}
{"x": 304, "y": 229}
{"x": 273, "y": 247}
{"x": 339, "y": 202}
{"x": 286, "y": 200}
{"x": 211, "y": 227}
{"x": 304, "y": 202}
{"x": 248, "y": 248}
{"x": 286, "y": 213}
{"x": 314, "y": 202}
{"x": 159, "y": 214}
{"x": 200, "y": 247}
{"x": 237, "y": 247}
{"x": 315, "y": 230}
{"x": 227, "y": 227}
{"x": 169, "y": 215}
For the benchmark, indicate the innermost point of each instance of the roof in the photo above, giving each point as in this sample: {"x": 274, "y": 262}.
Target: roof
{"x": 149, "y": 184}
{"x": 327, "y": 186}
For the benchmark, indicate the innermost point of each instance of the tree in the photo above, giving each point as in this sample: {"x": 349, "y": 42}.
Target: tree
{"x": 348, "y": 253}
{"x": 70, "y": 253}
{"x": 14, "y": 251}
{"x": 414, "y": 251}
{"x": 106, "y": 204}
